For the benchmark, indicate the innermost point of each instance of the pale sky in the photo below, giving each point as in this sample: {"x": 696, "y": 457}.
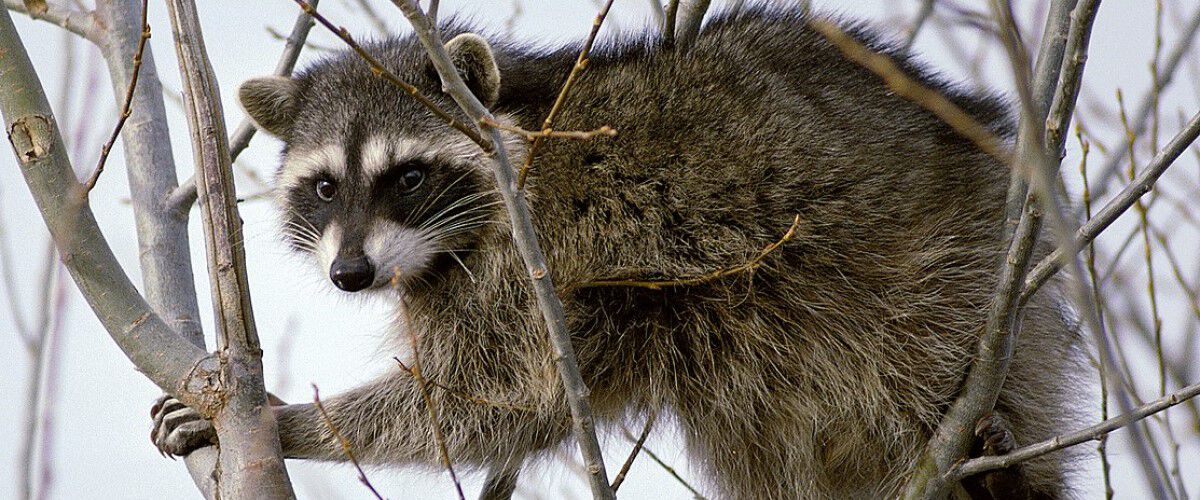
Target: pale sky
{"x": 313, "y": 334}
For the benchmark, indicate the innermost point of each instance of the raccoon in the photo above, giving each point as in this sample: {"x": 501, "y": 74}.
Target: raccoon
{"x": 818, "y": 372}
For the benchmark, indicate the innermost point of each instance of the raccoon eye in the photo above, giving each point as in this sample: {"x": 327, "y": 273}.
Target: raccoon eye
{"x": 410, "y": 180}
{"x": 326, "y": 189}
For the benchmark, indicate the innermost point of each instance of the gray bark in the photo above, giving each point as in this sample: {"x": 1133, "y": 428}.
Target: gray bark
{"x": 251, "y": 459}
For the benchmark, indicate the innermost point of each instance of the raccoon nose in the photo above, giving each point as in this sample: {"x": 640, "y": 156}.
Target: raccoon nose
{"x": 352, "y": 274}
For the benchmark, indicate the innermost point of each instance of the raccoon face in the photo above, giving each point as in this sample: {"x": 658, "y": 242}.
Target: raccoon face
{"x": 379, "y": 191}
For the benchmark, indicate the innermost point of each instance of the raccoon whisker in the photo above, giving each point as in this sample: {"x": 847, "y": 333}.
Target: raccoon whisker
{"x": 455, "y": 205}
{"x": 441, "y": 219}
{"x": 444, "y": 234}
{"x": 457, "y": 220}
{"x": 429, "y": 202}
{"x": 470, "y": 275}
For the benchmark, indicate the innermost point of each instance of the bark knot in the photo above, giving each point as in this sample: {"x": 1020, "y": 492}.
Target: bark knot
{"x": 32, "y": 136}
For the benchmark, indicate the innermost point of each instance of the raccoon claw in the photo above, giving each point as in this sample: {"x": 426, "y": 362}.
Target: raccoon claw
{"x": 179, "y": 430}
{"x": 994, "y": 435}
{"x": 993, "y": 438}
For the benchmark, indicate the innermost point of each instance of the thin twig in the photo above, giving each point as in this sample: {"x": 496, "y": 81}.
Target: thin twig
{"x": 910, "y": 89}
{"x": 984, "y": 464}
{"x": 1097, "y": 298}
{"x": 531, "y": 135}
{"x": 463, "y": 395}
{"x": 526, "y": 241}
{"x": 185, "y": 195}
{"x": 670, "y": 470}
{"x": 581, "y": 62}
{"x": 637, "y": 448}
{"x": 77, "y": 22}
{"x": 923, "y": 15}
{"x": 379, "y": 70}
{"x": 362, "y": 476}
{"x": 748, "y": 266}
{"x": 126, "y": 106}
{"x": 1166, "y": 75}
{"x": 1117, "y": 206}
{"x": 415, "y": 371}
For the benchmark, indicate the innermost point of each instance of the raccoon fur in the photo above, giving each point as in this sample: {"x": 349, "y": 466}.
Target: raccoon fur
{"x": 819, "y": 373}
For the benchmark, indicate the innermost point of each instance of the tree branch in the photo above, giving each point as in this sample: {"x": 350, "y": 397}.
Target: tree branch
{"x": 251, "y": 459}
{"x": 180, "y": 368}
{"x": 183, "y": 197}
{"x": 953, "y": 437}
{"x": 1128, "y": 196}
{"x": 79, "y": 23}
{"x": 693, "y": 18}
{"x": 1146, "y": 106}
{"x": 525, "y": 239}
{"x": 1095, "y": 432}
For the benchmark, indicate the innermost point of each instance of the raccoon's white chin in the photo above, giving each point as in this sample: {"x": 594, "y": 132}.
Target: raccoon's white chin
{"x": 398, "y": 253}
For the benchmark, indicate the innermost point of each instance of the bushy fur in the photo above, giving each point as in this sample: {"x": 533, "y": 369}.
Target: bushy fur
{"x": 819, "y": 375}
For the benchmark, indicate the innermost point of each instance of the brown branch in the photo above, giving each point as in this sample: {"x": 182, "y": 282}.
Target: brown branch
{"x": 126, "y": 107}
{"x": 1095, "y": 432}
{"x": 185, "y": 195}
{"x": 532, "y": 135}
{"x": 362, "y": 476}
{"x": 637, "y": 448}
{"x": 748, "y": 266}
{"x": 670, "y": 470}
{"x": 910, "y": 89}
{"x": 415, "y": 371}
{"x": 380, "y": 71}
{"x": 580, "y": 63}
{"x": 79, "y": 23}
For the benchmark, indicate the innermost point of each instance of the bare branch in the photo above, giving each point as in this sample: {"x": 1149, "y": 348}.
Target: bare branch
{"x": 362, "y": 476}
{"x": 1128, "y": 196}
{"x": 910, "y": 89}
{"x": 79, "y": 23}
{"x": 185, "y": 196}
{"x": 525, "y": 239}
{"x": 1036, "y": 89}
{"x": 251, "y": 459}
{"x": 125, "y": 106}
{"x": 166, "y": 358}
{"x": 1166, "y": 75}
{"x": 580, "y": 63}
{"x": 670, "y": 470}
{"x": 668, "y": 26}
{"x": 164, "y": 256}
{"x": 637, "y": 448}
{"x": 1095, "y": 432}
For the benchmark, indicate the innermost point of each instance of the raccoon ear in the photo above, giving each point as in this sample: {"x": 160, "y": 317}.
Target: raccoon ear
{"x": 271, "y": 102}
{"x": 476, "y": 64}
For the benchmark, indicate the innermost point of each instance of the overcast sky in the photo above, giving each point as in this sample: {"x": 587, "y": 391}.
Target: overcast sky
{"x": 313, "y": 334}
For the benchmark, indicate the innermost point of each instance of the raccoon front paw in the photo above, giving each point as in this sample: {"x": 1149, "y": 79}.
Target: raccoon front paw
{"x": 179, "y": 430}
{"x": 994, "y": 436}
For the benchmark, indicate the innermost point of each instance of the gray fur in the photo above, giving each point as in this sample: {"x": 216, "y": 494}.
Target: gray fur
{"x": 819, "y": 375}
